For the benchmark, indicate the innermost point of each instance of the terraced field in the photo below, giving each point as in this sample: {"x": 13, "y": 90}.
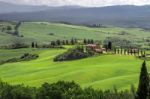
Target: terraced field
{"x": 105, "y": 71}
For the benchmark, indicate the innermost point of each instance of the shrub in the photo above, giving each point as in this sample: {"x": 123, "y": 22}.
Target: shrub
{"x": 59, "y": 90}
{"x": 28, "y": 56}
{"x": 24, "y": 57}
{"x": 72, "y": 54}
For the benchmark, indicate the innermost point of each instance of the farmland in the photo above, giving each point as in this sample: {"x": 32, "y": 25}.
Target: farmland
{"x": 42, "y": 32}
{"x": 104, "y": 71}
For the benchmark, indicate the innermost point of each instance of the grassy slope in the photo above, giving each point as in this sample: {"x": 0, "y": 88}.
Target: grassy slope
{"x": 99, "y": 72}
{"x": 103, "y": 71}
{"x": 39, "y": 32}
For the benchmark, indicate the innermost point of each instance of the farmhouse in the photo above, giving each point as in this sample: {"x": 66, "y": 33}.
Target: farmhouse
{"x": 95, "y": 47}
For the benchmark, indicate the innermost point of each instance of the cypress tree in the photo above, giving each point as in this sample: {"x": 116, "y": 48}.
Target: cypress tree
{"x": 16, "y": 28}
{"x": 143, "y": 88}
{"x": 124, "y": 51}
{"x": 128, "y": 52}
{"x": 134, "y": 52}
{"x": 85, "y": 41}
{"x": 115, "y": 51}
{"x": 121, "y": 50}
{"x": 32, "y": 45}
{"x": 53, "y": 43}
{"x": 63, "y": 42}
{"x": 92, "y": 41}
{"x": 109, "y": 45}
{"x": 118, "y": 51}
{"x": 89, "y": 41}
{"x": 131, "y": 51}
{"x": 72, "y": 41}
{"x": 67, "y": 42}
{"x": 58, "y": 42}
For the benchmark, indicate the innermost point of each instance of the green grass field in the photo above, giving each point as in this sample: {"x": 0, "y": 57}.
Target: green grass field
{"x": 39, "y": 32}
{"x": 105, "y": 71}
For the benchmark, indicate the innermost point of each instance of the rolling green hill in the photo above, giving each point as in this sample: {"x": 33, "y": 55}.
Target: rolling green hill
{"x": 104, "y": 71}
{"x": 40, "y": 32}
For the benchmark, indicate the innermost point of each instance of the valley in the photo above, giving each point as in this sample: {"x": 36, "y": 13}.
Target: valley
{"x": 102, "y": 71}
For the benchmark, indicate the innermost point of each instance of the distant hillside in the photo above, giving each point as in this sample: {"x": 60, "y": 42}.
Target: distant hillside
{"x": 125, "y": 16}
{"x": 9, "y": 8}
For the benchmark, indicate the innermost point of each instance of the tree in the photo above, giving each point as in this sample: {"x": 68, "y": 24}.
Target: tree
{"x": 9, "y": 28}
{"x": 16, "y": 28}
{"x": 16, "y": 33}
{"x": 131, "y": 51}
{"x": 32, "y": 45}
{"x": 63, "y": 42}
{"x": 109, "y": 45}
{"x": 92, "y": 41}
{"x": 128, "y": 52}
{"x": 72, "y": 41}
{"x": 134, "y": 52}
{"x": 67, "y": 42}
{"x": 58, "y": 42}
{"x": 143, "y": 88}
{"x": 125, "y": 52}
{"x": 118, "y": 51}
{"x": 89, "y": 41}
{"x": 53, "y": 43}
{"x": 121, "y": 50}
{"x": 85, "y": 41}
{"x": 115, "y": 50}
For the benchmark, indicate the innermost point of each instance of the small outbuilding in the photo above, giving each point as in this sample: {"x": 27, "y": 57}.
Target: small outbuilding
{"x": 95, "y": 47}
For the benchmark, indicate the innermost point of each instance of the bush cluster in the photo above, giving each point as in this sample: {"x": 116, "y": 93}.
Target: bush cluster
{"x": 28, "y": 56}
{"x": 24, "y": 57}
{"x": 72, "y": 54}
{"x": 59, "y": 90}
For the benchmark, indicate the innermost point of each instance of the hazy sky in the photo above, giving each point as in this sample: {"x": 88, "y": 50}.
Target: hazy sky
{"x": 92, "y": 3}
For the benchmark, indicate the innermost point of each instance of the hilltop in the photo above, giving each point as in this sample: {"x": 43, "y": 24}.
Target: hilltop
{"x": 122, "y": 16}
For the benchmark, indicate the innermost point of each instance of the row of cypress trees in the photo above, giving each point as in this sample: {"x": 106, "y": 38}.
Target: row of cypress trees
{"x": 58, "y": 42}
{"x": 129, "y": 51}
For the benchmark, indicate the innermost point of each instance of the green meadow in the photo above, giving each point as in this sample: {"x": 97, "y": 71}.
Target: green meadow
{"x": 40, "y": 32}
{"x": 103, "y": 71}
